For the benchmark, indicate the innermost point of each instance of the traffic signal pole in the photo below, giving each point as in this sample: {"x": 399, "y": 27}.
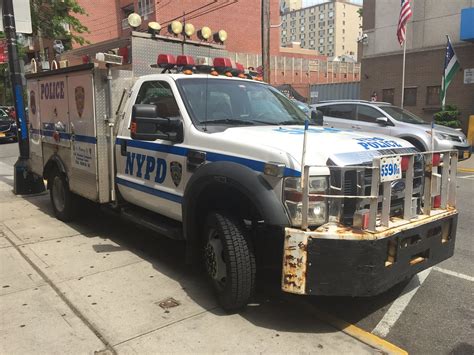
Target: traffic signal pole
{"x": 25, "y": 182}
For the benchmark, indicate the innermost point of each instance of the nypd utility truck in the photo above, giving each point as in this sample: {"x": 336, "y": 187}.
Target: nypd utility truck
{"x": 230, "y": 165}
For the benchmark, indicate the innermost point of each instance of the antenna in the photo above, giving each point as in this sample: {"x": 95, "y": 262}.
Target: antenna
{"x": 207, "y": 93}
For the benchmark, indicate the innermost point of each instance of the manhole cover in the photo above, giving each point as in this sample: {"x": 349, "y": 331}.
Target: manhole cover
{"x": 168, "y": 303}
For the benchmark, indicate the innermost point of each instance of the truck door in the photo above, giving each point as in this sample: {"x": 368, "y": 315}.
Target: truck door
{"x": 34, "y": 122}
{"x": 152, "y": 174}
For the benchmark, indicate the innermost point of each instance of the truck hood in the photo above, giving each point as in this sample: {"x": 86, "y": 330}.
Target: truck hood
{"x": 344, "y": 147}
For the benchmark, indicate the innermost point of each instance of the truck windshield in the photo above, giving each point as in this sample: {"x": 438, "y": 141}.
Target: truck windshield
{"x": 237, "y": 102}
{"x": 402, "y": 115}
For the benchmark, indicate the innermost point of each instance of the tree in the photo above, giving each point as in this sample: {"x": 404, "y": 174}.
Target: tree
{"x": 448, "y": 117}
{"x": 54, "y": 19}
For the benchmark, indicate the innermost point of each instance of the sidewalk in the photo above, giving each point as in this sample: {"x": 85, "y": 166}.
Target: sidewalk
{"x": 101, "y": 285}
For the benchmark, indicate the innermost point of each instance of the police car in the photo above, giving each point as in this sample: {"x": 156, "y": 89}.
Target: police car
{"x": 210, "y": 155}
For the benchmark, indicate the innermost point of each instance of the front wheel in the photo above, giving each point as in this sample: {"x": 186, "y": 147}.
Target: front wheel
{"x": 229, "y": 260}
{"x": 62, "y": 198}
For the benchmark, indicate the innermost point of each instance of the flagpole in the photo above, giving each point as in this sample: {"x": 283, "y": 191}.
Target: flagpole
{"x": 403, "y": 71}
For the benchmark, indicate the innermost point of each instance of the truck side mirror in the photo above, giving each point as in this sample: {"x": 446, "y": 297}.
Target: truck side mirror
{"x": 147, "y": 125}
{"x": 317, "y": 117}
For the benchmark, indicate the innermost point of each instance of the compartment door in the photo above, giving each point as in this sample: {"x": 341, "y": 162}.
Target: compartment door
{"x": 83, "y": 177}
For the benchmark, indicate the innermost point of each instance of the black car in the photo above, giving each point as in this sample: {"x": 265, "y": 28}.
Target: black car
{"x": 8, "y": 129}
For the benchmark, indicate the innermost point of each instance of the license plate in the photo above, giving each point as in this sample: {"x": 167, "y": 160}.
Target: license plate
{"x": 2, "y": 134}
{"x": 390, "y": 169}
{"x": 465, "y": 154}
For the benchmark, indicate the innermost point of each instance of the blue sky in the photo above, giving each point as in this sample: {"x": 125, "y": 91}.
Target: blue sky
{"x": 307, "y": 3}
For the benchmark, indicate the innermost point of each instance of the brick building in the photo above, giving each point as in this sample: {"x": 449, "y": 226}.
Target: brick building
{"x": 240, "y": 18}
{"x": 381, "y": 57}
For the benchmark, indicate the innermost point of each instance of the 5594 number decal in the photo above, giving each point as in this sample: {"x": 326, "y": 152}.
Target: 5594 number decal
{"x": 390, "y": 169}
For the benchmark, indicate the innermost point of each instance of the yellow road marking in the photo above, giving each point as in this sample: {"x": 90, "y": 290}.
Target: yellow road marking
{"x": 465, "y": 170}
{"x": 360, "y": 334}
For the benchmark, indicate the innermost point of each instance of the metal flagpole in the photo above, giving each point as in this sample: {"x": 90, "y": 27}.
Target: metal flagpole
{"x": 403, "y": 71}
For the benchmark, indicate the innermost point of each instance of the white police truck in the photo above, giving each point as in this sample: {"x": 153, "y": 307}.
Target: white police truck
{"x": 230, "y": 165}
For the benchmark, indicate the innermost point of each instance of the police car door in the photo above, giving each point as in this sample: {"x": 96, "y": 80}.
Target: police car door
{"x": 150, "y": 173}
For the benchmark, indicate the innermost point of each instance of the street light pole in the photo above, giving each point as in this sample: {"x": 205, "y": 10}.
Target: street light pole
{"x": 24, "y": 181}
{"x": 266, "y": 40}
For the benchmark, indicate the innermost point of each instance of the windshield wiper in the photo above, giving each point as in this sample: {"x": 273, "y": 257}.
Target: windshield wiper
{"x": 291, "y": 123}
{"x": 229, "y": 121}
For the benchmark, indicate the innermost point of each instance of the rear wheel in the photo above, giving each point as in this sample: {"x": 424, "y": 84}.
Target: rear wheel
{"x": 62, "y": 198}
{"x": 229, "y": 260}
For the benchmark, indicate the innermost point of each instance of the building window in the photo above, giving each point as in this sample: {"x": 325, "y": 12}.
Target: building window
{"x": 321, "y": 41}
{"x": 283, "y": 33}
{"x": 302, "y": 28}
{"x": 312, "y": 18}
{"x": 145, "y": 7}
{"x": 302, "y": 36}
{"x": 321, "y": 49}
{"x": 343, "y": 23}
{"x": 331, "y": 14}
{"x": 388, "y": 95}
{"x": 343, "y": 47}
{"x": 321, "y": 33}
{"x": 410, "y": 97}
{"x": 321, "y": 16}
{"x": 344, "y": 31}
{"x": 330, "y": 39}
{"x": 330, "y": 31}
{"x": 432, "y": 95}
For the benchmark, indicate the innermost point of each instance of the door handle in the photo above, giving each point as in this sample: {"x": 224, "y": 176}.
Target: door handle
{"x": 123, "y": 147}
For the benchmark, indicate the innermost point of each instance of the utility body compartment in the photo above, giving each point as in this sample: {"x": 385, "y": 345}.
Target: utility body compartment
{"x": 67, "y": 110}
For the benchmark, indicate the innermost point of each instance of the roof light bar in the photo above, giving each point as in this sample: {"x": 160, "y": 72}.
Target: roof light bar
{"x": 166, "y": 61}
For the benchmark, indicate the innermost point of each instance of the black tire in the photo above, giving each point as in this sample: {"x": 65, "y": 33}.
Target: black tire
{"x": 62, "y": 199}
{"x": 235, "y": 285}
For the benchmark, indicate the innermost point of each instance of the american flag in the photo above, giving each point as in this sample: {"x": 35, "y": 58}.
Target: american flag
{"x": 405, "y": 14}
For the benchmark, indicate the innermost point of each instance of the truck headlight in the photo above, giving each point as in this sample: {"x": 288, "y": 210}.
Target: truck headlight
{"x": 317, "y": 206}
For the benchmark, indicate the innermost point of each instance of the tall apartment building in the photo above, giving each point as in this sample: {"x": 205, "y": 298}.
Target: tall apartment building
{"x": 381, "y": 55}
{"x": 331, "y": 28}
{"x": 291, "y": 5}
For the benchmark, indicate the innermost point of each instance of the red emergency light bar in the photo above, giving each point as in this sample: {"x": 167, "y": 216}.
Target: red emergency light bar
{"x": 185, "y": 61}
{"x": 166, "y": 61}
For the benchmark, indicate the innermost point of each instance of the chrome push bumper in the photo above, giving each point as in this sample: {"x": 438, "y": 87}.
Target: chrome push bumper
{"x": 337, "y": 259}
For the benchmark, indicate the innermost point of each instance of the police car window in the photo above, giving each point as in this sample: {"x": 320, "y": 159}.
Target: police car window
{"x": 343, "y": 111}
{"x": 159, "y": 93}
{"x": 367, "y": 114}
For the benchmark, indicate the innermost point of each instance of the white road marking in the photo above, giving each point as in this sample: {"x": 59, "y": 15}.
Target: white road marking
{"x": 470, "y": 177}
{"x": 399, "y": 305}
{"x": 454, "y": 273}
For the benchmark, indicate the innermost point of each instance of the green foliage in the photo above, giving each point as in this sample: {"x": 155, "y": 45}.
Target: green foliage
{"x": 52, "y": 17}
{"x": 361, "y": 14}
{"x": 448, "y": 117}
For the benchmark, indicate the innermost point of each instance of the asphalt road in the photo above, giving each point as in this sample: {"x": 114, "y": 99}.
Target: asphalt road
{"x": 432, "y": 314}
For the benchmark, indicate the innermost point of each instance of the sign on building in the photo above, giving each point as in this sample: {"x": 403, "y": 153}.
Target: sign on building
{"x": 21, "y": 8}
{"x": 469, "y": 76}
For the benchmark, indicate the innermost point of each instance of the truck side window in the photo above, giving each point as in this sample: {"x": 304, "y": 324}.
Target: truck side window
{"x": 159, "y": 93}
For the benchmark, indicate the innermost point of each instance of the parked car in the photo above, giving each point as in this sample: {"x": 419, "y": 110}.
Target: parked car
{"x": 385, "y": 118}
{"x": 8, "y": 129}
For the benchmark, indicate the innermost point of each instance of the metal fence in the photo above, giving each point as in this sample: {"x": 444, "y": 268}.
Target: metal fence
{"x": 336, "y": 91}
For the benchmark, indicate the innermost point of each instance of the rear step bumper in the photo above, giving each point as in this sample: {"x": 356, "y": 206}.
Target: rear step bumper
{"x": 315, "y": 265}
